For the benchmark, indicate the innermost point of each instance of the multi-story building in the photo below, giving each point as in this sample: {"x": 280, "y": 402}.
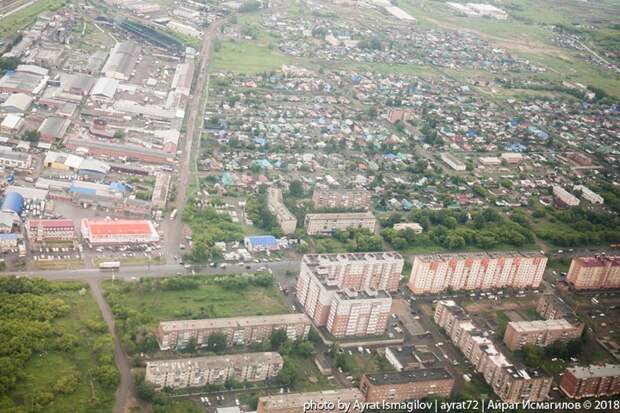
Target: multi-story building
{"x": 407, "y": 385}
{"x": 540, "y": 333}
{"x": 201, "y": 371}
{"x": 40, "y": 230}
{"x": 12, "y": 159}
{"x": 589, "y": 195}
{"x": 591, "y": 381}
{"x": 341, "y": 198}
{"x": 323, "y": 276}
{"x": 510, "y": 382}
{"x": 593, "y": 273}
{"x": 563, "y": 198}
{"x": 411, "y": 357}
{"x": 359, "y": 313}
{"x": 552, "y": 307}
{"x": 327, "y": 223}
{"x": 310, "y": 402}
{"x": 121, "y": 231}
{"x": 432, "y": 274}
{"x": 238, "y": 330}
{"x": 453, "y": 162}
{"x": 275, "y": 203}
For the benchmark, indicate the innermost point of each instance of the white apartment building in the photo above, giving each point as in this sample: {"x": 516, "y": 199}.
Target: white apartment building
{"x": 360, "y": 313}
{"x": 589, "y": 195}
{"x": 327, "y": 223}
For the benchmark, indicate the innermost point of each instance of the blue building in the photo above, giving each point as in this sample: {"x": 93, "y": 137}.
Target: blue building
{"x": 261, "y": 243}
{"x": 13, "y": 202}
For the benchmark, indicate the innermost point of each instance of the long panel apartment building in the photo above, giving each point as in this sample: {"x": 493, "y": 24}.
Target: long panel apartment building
{"x": 432, "y": 274}
{"x": 349, "y": 293}
{"x": 541, "y": 333}
{"x": 275, "y": 203}
{"x": 591, "y": 381}
{"x": 341, "y": 198}
{"x": 201, "y": 371}
{"x": 238, "y": 330}
{"x": 327, "y": 223}
{"x": 510, "y": 382}
{"x": 299, "y": 402}
{"x": 407, "y": 385}
{"x": 594, "y": 273}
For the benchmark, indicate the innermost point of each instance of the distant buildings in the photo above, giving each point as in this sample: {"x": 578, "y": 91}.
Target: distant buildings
{"x": 478, "y": 10}
{"x": 510, "y": 382}
{"x": 298, "y": 402}
{"x": 238, "y": 330}
{"x": 107, "y": 231}
{"x": 341, "y": 198}
{"x": 40, "y": 230}
{"x": 432, "y": 274}
{"x": 407, "y": 385}
{"x": 591, "y": 381}
{"x": 327, "y": 223}
{"x": 564, "y": 198}
{"x": 453, "y": 162}
{"x": 201, "y": 371}
{"x": 593, "y": 273}
{"x": 589, "y": 195}
{"x": 347, "y": 293}
{"x": 285, "y": 218}
{"x": 541, "y": 333}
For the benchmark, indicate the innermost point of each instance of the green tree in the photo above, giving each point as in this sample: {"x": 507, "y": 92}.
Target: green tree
{"x": 217, "y": 342}
{"x": 278, "y": 337}
{"x": 296, "y": 189}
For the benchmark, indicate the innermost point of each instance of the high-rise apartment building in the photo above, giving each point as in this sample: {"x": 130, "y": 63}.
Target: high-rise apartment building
{"x": 594, "y": 273}
{"x": 432, "y": 274}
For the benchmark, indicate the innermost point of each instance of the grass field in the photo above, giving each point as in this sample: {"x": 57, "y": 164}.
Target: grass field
{"x": 43, "y": 370}
{"x": 246, "y": 58}
{"x": 24, "y": 17}
{"x": 58, "y": 264}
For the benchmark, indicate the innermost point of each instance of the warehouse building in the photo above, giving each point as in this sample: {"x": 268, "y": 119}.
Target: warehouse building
{"x": 122, "y": 60}
{"x": 202, "y": 371}
{"x": 53, "y": 128}
{"x": 13, "y": 202}
{"x": 107, "y": 231}
{"x": 174, "y": 335}
{"x": 105, "y": 88}
{"x": 16, "y": 103}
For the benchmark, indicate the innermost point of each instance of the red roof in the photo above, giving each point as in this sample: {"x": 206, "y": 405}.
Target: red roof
{"x": 51, "y": 223}
{"x": 120, "y": 227}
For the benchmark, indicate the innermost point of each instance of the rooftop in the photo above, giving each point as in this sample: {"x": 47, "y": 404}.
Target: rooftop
{"x": 233, "y": 322}
{"x": 604, "y": 370}
{"x": 409, "y": 376}
{"x": 297, "y": 400}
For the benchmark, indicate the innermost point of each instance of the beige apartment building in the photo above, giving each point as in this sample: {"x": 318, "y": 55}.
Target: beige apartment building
{"x": 433, "y": 274}
{"x": 327, "y": 223}
{"x": 407, "y": 385}
{"x": 512, "y": 383}
{"x": 594, "y": 273}
{"x": 310, "y": 402}
{"x": 201, "y": 371}
{"x": 541, "y": 333}
{"x": 174, "y": 335}
{"x": 285, "y": 218}
{"x": 341, "y": 198}
{"x": 328, "y": 283}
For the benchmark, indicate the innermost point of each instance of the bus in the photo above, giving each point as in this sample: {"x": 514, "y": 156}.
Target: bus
{"x": 110, "y": 265}
{"x": 173, "y": 215}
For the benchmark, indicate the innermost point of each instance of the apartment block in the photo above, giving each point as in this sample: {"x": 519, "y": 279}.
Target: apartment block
{"x": 589, "y": 195}
{"x": 174, "y": 335}
{"x": 453, "y": 162}
{"x": 591, "y": 381}
{"x": 541, "y": 333}
{"x": 407, "y": 385}
{"x": 512, "y": 383}
{"x": 341, "y": 198}
{"x": 201, "y": 371}
{"x": 552, "y": 307}
{"x": 432, "y": 274}
{"x": 327, "y": 223}
{"x": 594, "y": 273}
{"x": 359, "y": 313}
{"x": 285, "y": 218}
{"x": 309, "y": 402}
{"x": 563, "y": 198}
{"x": 327, "y": 284}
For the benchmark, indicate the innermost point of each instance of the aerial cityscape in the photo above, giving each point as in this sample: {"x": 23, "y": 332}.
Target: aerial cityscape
{"x": 299, "y": 206}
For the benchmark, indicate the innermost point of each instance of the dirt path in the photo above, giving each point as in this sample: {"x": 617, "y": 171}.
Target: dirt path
{"x": 125, "y": 394}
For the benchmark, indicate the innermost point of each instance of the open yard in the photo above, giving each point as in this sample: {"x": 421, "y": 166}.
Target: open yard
{"x": 246, "y": 58}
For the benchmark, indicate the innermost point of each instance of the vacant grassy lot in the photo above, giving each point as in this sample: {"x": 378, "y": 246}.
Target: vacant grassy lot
{"x": 246, "y": 58}
{"x": 42, "y": 372}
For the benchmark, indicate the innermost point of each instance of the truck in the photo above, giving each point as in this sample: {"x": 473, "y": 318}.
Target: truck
{"x": 110, "y": 265}
{"x": 173, "y": 214}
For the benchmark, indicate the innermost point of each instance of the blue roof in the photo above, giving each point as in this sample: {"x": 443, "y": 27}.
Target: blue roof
{"x": 262, "y": 240}
{"x": 13, "y": 201}
{"x": 118, "y": 186}
{"x": 10, "y": 236}
{"x": 80, "y": 190}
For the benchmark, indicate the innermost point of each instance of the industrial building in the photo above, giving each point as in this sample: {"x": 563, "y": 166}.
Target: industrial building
{"x": 275, "y": 203}
{"x": 591, "y": 381}
{"x": 40, "y": 230}
{"x": 202, "y": 371}
{"x": 341, "y": 198}
{"x": 407, "y": 385}
{"x": 512, "y": 383}
{"x": 122, "y": 60}
{"x": 297, "y": 402}
{"x": 11, "y": 159}
{"x": 24, "y": 80}
{"x": 348, "y": 292}
{"x": 327, "y": 223}
{"x": 541, "y": 333}
{"x": 238, "y": 330}
{"x": 53, "y": 128}
{"x": 107, "y": 231}
{"x": 594, "y": 273}
{"x": 433, "y": 274}
{"x": 16, "y": 103}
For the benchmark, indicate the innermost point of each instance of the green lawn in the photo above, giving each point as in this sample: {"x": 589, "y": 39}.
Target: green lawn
{"x": 246, "y": 58}
{"x": 26, "y": 16}
{"x": 43, "y": 370}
